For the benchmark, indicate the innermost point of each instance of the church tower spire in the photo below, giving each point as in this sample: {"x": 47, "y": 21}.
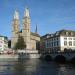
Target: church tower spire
{"x": 36, "y": 30}
{"x": 26, "y": 28}
{"x": 16, "y": 22}
{"x": 26, "y": 12}
{"x": 16, "y": 14}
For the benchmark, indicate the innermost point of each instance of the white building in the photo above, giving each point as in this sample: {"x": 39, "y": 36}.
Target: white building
{"x": 63, "y": 40}
{"x": 3, "y": 43}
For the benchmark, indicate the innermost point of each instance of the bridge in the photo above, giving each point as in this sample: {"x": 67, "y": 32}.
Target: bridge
{"x": 66, "y": 55}
{"x": 69, "y": 55}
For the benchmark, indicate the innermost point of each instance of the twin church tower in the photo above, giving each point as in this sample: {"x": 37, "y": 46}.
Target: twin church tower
{"x": 31, "y": 39}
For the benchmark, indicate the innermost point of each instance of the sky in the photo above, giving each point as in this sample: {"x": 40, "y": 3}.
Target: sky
{"x": 49, "y": 15}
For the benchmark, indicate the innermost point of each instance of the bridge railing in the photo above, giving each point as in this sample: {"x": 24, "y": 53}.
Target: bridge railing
{"x": 58, "y": 52}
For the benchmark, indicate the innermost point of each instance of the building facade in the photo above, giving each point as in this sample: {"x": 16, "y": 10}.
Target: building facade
{"x": 30, "y": 38}
{"x": 63, "y": 40}
{"x": 3, "y": 43}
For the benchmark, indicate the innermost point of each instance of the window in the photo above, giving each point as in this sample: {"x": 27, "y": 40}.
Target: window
{"x": 0, "y": 48}
{"x": 54, "y": 43}
{"x": 45, "y": 44}
{"x": 51, "y": 35}
{"x": 66, "y": 33}
{"x": 1, "y": 41}
{"x": 70, "y": 43}
{"x": 49, "y": 44}
{"x": 54, "y": 39}
{"x": 0, "y": 45}
{"x": 57, "y": 38}
{"x": 48, "y": 36}
{"x": 70, "y": 38}
{"x": 57, "y": 33}
{"x": 73, "y": 38}
{"x": 51, "y": 40}
{"x": 65, "y": 43}
{"x": 0, "y": 38}
{"x": 57, "y": 43}
{"x": 65, "y": 38}
{"x": 71, "y": 33}
{"x": 73, "y": 43}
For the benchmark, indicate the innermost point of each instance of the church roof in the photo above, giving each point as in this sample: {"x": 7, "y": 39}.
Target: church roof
{"x": 32, "y": 33}
{"x": 64, "y": 32}
{"x": 35, "y": 34}
{"x": 4, "y": 36}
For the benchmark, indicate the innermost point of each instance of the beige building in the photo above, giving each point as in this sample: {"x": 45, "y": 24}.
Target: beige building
{"x": 63, "y": 40}
{"x": 31, "y": 39}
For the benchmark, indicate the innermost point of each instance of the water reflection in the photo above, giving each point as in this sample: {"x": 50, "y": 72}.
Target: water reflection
{"x": 35, "y": 67}
{"x": 26, "y": 67}
{"x": 66, "y": 69}
{"x": 61, "y": 70}
{"x": 5, "y": 67}
{"x": 19, "y": 68}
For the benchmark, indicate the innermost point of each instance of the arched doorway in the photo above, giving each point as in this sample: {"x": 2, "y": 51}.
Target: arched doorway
{"x": 60, "y": 58}
{"x": 48, "y": 57}
{"x": 72, "y": 60}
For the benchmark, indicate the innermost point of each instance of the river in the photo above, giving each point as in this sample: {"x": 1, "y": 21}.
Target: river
{"x": 35, "y": 67}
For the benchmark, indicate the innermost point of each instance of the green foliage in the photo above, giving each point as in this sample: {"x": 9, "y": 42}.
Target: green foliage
{"x": 9, "y": 44}
{"x": 20, "y": 43}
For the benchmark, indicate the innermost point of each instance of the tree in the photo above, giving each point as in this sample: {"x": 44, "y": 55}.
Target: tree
{"x": 20, "y": 43}
{"x": 9, "y": 44}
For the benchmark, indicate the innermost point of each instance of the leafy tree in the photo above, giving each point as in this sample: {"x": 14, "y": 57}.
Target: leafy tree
{"x": 20, "y": 43}
{"x": 9, "y": 44}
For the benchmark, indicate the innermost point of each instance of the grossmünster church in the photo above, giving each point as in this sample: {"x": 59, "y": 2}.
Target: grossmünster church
{"x": 31, "y": 39}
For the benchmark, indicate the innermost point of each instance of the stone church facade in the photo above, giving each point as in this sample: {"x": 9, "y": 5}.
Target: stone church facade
{"x": 31, "y": 39}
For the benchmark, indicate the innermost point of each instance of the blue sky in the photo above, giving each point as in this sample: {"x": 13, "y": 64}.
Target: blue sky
{"x": 49, "y": 15}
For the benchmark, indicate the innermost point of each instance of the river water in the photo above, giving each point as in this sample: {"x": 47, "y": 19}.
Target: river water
{"x": 35, "y": 67}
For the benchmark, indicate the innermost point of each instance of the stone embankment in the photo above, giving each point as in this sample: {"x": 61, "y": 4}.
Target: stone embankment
{"x": 8, "y": 57}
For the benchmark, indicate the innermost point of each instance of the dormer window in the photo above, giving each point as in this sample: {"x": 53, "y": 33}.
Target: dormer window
{"x": 48, "y": 36}
{"x": 57, "y": 33}
{"x": 71, "y": 33}
{"x": 66, "y": 33}
{"x": 51, "y": 35}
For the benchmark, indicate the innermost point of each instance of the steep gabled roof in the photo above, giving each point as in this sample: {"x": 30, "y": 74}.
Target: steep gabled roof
{"x": 60, "y": 33}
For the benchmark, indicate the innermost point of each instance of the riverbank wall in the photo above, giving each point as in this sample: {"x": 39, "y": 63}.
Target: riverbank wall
{"x": 9, "y": 57}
